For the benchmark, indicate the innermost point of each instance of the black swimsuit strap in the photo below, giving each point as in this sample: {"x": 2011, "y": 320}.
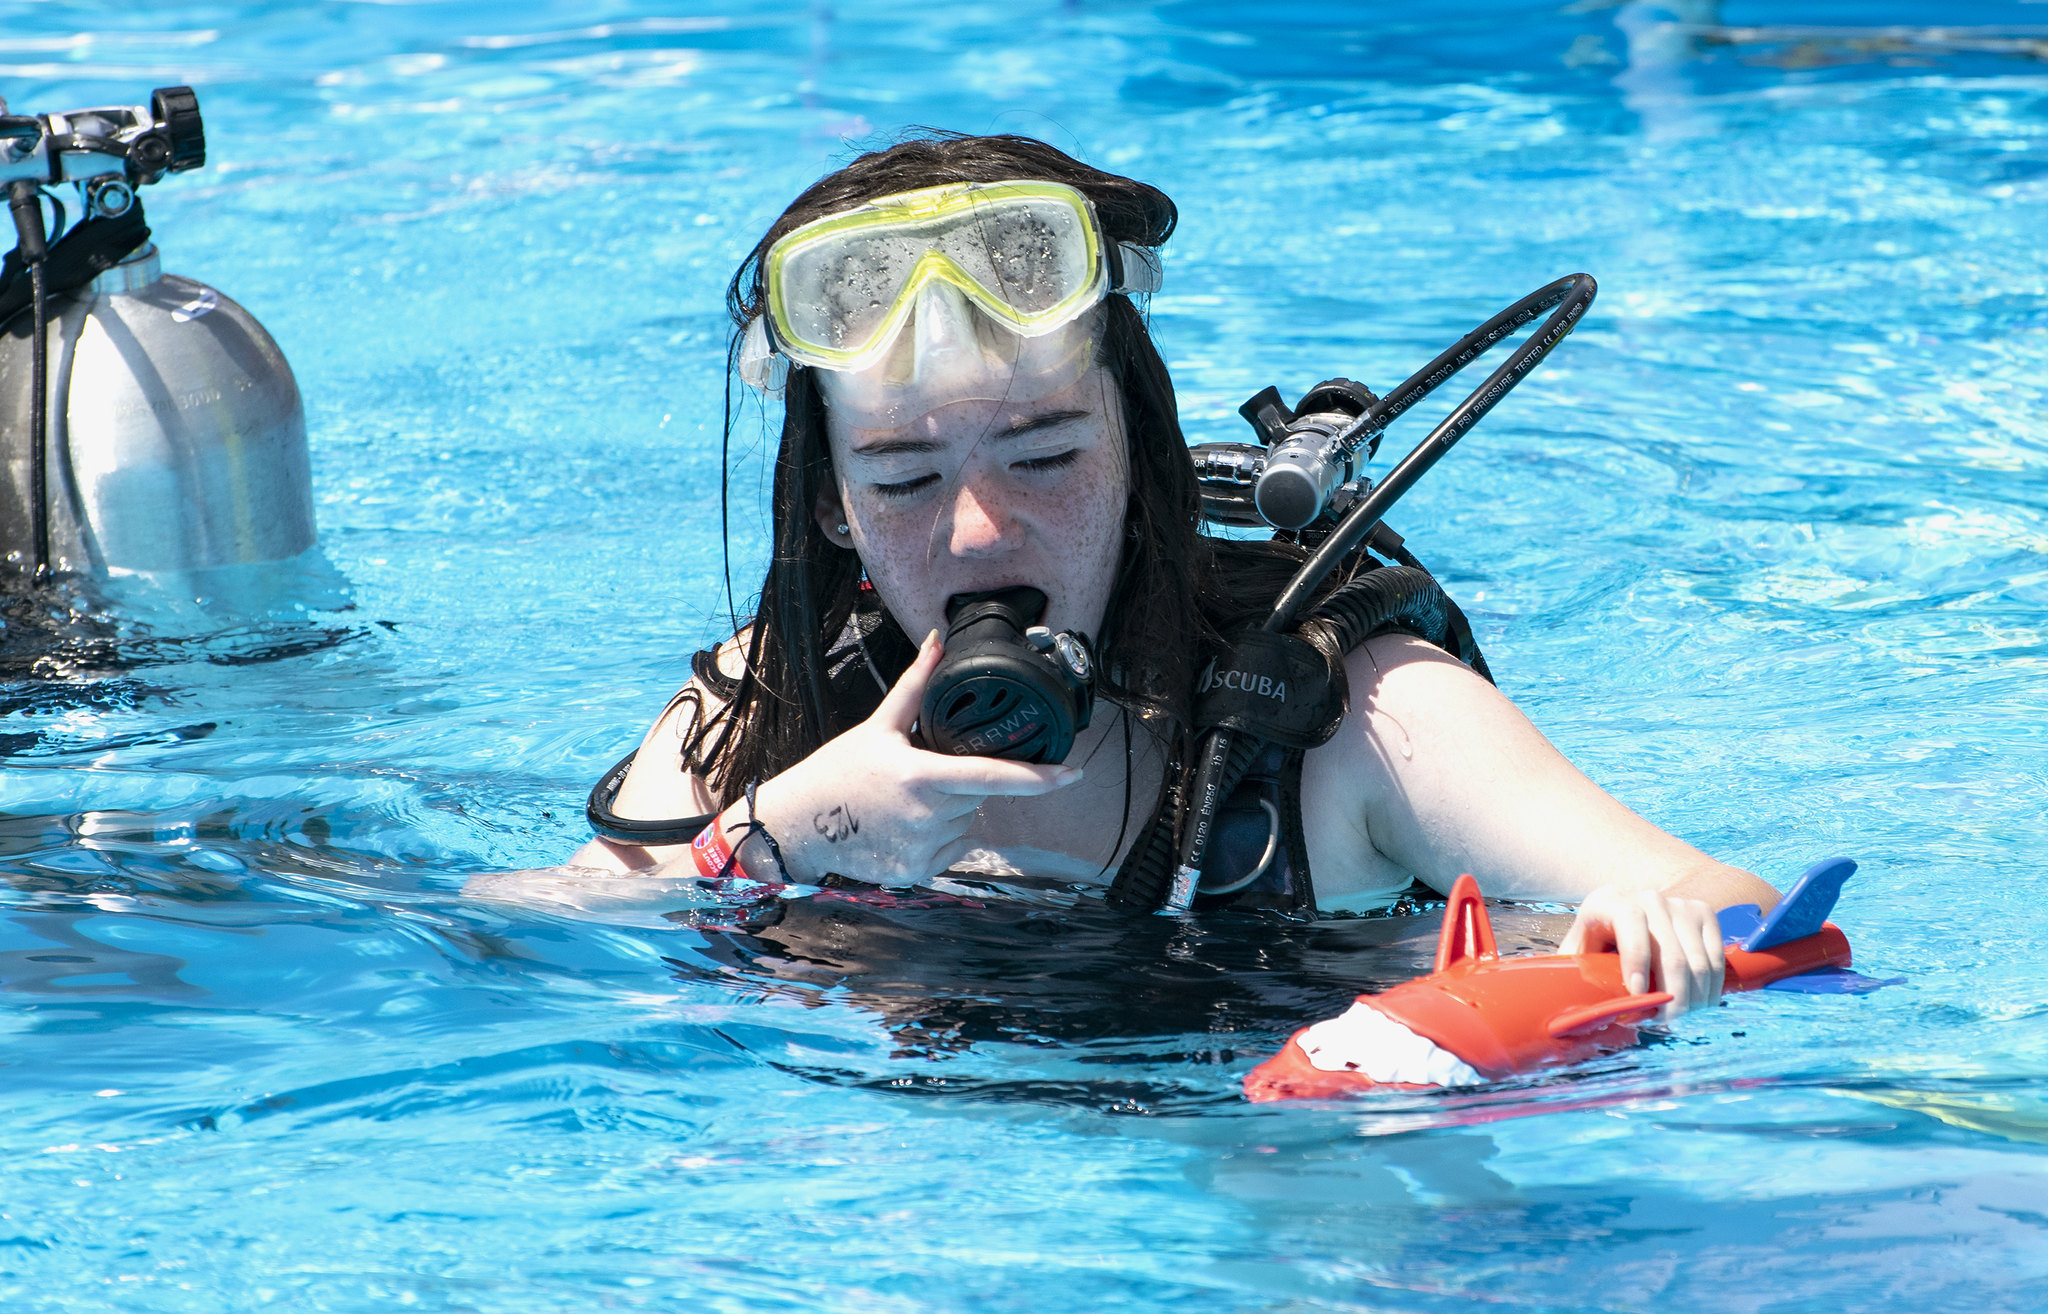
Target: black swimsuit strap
{"x": 627, "y": 830}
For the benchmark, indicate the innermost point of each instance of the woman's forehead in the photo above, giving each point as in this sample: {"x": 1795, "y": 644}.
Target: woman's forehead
{"x": 966, "y": 422}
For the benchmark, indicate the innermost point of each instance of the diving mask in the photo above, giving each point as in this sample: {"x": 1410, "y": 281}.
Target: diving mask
{"x": 996, "y": 280}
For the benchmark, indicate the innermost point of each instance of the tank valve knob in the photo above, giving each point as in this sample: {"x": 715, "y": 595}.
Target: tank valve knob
{"x": 177, "y": 111}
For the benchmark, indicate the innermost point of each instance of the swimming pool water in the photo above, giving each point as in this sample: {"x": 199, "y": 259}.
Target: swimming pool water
{"x": 1764, "y": 548}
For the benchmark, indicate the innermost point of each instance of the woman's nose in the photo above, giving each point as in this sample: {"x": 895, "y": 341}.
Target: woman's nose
{"x": 981, "y": 525}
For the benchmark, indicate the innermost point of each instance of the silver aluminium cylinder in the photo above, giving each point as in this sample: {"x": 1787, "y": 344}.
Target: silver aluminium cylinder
{"x": 176, "y": 436}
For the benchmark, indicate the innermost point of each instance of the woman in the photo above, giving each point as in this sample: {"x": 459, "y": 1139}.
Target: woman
{"x": 972, "y": 402}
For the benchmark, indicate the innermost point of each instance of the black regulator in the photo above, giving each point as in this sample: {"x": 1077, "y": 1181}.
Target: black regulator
{"x": 1302, "y": 480}
{"x": 1007, "y": 686}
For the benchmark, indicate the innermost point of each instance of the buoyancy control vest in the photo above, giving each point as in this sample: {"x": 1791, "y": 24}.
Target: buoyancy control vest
{"x": 1282, "y": 695}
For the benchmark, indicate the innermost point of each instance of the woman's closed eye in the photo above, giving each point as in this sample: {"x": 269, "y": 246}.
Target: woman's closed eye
{"x": 908, "y": 487}
{"x": 1057, "y": 461}
{"x": 1036, "y": 465}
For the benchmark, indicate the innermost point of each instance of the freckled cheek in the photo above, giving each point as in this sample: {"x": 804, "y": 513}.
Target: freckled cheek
{"x": 1084, "y": 528}
{"x": 895, "y": 543}
{"x": 1083, "y": 518}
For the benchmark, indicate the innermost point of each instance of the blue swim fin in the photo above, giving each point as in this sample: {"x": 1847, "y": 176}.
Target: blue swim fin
{"x": 1800, "y": 913}
{"x": 1740, "y": 922}
{"x": 1833, "y": 981}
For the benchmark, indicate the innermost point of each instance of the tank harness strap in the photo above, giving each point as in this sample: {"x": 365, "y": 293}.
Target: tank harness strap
{"x": 1279, "y": 687}
{"x": 598, "y": 808}
{"x": 627, "y": 830}
{"x": 90, "y": 249}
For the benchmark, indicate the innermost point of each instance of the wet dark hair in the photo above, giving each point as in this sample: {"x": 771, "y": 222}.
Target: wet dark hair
{"x": 784, "y": 707}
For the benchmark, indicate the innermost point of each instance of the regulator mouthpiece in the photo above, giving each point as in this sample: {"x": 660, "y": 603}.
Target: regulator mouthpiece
{"x": 1007, "y": 686}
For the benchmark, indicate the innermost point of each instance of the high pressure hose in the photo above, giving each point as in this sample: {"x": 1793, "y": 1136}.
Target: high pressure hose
{"x": 1222, "y": 760}
{"x": 24, "y": 198}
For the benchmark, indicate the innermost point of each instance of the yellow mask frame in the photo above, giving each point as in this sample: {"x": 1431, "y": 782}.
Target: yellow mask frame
{"x": 1029, "y": 254}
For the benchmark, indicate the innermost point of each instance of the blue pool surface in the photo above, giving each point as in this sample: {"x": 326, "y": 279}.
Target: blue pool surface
{"x": 1764, "y": 549}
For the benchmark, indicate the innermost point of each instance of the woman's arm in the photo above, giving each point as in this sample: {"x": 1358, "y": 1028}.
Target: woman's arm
{"x": 1440, "y": 774}
{"x": 870, "y": 800}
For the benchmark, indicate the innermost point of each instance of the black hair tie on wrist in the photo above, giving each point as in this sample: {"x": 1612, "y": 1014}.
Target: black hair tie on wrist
{"x": 756, "y": 827}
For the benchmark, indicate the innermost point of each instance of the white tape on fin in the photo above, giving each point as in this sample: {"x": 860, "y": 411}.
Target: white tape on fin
{"x": 1362, "y": 1039}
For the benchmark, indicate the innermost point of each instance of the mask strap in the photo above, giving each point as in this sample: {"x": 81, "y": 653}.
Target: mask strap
{"x": 1134, "y": 268}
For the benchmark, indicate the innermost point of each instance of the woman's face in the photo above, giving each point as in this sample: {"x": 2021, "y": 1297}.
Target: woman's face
{"x": 983, "y": 495}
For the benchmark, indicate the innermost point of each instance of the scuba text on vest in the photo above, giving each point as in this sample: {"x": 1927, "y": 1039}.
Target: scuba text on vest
{"x": 146, "y": 421}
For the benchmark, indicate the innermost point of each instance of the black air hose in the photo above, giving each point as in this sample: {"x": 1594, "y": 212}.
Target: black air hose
{"x": 1378, "y": 600}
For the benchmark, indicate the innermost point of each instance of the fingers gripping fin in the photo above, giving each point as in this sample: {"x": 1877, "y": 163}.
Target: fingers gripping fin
{"x": 1467, "y": 933}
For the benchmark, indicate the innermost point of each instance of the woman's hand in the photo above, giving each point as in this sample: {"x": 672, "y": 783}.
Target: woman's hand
{"x": 1665, "y": 943}
{"x": 874, "y": 805}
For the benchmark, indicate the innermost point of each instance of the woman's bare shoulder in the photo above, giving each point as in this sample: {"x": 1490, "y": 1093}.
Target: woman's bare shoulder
{"x": 663, "y": 781}
{"x": 1441, "y": 773}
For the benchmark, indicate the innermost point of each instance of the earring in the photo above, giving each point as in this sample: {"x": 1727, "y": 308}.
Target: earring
{"x": 841, "y": 529}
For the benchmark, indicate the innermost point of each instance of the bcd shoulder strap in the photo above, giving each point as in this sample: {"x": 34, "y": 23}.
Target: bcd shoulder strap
{"x": 1279, "y": 687}
{"x": 1228, "y": 694}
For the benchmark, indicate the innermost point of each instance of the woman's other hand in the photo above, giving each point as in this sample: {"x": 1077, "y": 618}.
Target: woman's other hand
{"x": 1665, "y": 943}
{"x": 874, "y": 805}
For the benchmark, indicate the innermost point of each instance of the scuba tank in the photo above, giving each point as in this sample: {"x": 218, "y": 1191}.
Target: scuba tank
{"x": 147, "y": 422}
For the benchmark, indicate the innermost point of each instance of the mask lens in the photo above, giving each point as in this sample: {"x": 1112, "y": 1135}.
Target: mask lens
{"x": 1027, "y": 256}
{"x": 837, "y": 294}
{"x": 1027, "y": 253}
